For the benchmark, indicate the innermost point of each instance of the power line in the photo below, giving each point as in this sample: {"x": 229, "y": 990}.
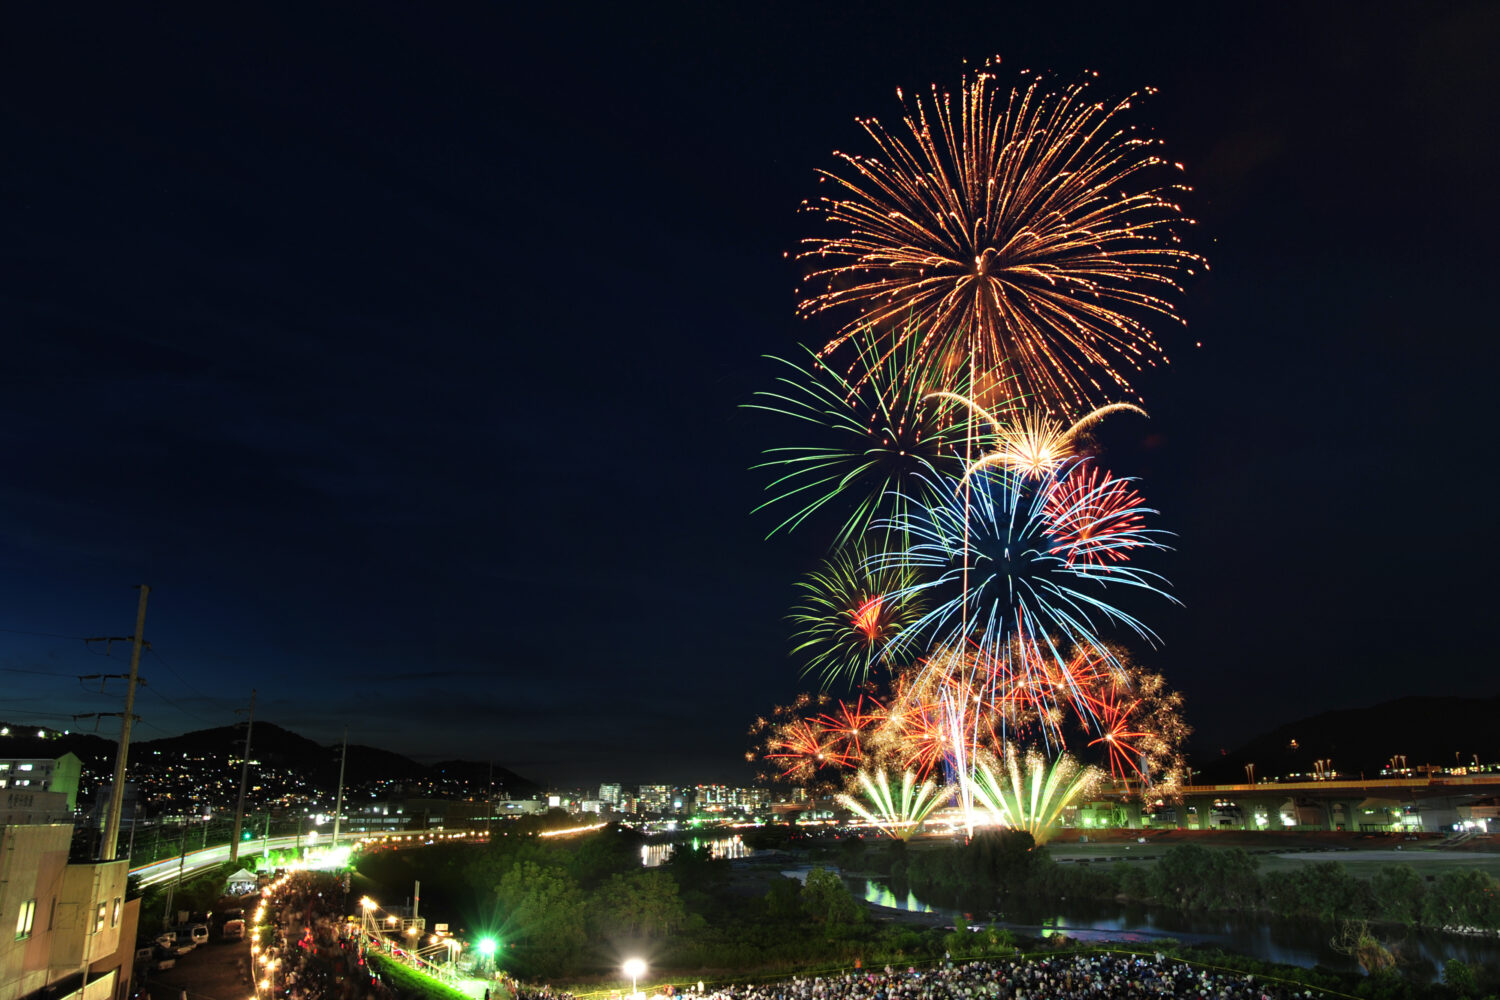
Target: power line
{"x": 181, "y": 708}
{"x": 174, "y": 673}
{"x": 49, "y": 635}
{"x": 38, "y": 673}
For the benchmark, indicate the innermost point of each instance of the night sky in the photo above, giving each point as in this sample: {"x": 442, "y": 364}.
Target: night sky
{"x": 401, "y": 349}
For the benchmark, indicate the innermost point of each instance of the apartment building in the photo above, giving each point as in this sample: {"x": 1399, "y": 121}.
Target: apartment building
{"x": 66, "y": 931}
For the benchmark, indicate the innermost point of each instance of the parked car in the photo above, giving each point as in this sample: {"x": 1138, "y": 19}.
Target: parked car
{"x": 166, "y": 939}
{"x": 233, "y": 930}
{"x": 198, "y": 933}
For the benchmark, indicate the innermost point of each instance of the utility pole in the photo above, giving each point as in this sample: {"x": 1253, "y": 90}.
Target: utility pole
{"x": 338, "y": 809}
{"x": 239, "y": 810}
{"x": 117, "y": 794}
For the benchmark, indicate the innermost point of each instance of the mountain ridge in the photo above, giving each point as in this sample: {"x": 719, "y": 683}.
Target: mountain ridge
{"x": 270, "y": 744}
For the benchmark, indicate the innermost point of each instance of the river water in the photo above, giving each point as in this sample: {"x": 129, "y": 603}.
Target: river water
{"x": 656, "y": 853}
{"x": 1287, "y": 942}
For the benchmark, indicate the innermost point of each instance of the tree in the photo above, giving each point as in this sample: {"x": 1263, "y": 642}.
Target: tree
{"x": 1460, "y": 978}
{"x": 826, "y": 899}
{"x": 1398, "y": 891}
{"x": 640, "y": 904}
{"x": 783, "y": 899}
{"x": 544, "y": 916}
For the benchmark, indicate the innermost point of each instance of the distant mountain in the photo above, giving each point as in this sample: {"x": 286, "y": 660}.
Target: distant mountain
{"x": 270, "y": 744}
{"x": 1438, "y": 731}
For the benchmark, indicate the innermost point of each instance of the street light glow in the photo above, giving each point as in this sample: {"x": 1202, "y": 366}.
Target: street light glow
{"x": 487, "y": 947}
{"x": 634, "y": 968}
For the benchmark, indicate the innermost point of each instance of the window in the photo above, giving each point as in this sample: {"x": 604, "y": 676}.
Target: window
{"x": 98, "y": 919}
{"x": 114, "y": 913}
{"x": 23, "y": 767}
{"x": 24, "y": 919}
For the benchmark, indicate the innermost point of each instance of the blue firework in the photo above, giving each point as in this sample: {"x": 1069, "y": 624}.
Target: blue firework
{"x": 1012, "y": 569}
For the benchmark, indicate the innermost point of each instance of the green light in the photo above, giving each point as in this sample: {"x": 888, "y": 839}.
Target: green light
{"x": 487, "y": 947}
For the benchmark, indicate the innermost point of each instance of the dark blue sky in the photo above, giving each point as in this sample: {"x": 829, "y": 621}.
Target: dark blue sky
{"x": 400, "y": 351}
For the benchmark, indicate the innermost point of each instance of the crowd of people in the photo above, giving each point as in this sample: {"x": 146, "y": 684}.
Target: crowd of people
{"x": 311, "y": 951}
{"x": 1061, "y": 977}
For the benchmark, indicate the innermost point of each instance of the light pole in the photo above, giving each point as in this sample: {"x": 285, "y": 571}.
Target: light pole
{"x": 634, "y": 968}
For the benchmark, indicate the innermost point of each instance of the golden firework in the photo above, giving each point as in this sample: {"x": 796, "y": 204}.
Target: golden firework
{"x": 1013, "y": 233}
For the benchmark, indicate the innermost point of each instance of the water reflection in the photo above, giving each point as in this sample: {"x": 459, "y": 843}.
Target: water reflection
{"x": 1284, "y": 941}
{"x": 654, "y": 854}
{"x": 878, "y": 895}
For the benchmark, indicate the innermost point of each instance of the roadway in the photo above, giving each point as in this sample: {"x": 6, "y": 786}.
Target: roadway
{"x": 162, "y": 872}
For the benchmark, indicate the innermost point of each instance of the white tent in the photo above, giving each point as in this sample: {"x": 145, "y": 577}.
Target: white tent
{"x": 242, "y": 881}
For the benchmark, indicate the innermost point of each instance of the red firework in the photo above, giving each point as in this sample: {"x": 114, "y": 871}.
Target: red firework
{"x": 800, "y": 749}
{"x": 1095, "y": 518}
{"x": 1118, "y": 734}
{"x": 866, "y": 619}
{"x": 843, "y": 728}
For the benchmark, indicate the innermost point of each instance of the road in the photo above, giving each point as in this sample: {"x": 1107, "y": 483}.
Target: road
{"x": 162, "y": 872}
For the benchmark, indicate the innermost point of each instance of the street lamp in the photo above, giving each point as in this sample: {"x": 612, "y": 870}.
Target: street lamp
{"x": 634, "y": 968}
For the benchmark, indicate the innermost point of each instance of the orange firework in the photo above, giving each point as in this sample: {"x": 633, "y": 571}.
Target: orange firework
{"x": 1011, "y": 234}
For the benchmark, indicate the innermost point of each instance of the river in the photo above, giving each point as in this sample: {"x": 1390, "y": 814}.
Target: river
{"x": 1287, "y": 942}
{"x": 656, "y": 853}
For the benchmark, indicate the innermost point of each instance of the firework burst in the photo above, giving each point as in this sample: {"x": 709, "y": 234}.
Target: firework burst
{"x": 899, "y": 816}
{"x": 849, "y": 611}
{"x": 1011, "y": 233}
{"x": 1005, "y": 575}
{"x": 1096, "y": 518}
{"x": 885, "y": 439}
{"x": 1030, "y": 792}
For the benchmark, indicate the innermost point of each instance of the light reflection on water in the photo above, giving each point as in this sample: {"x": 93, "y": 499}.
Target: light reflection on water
{"x": 877, "y": 894}
{"x": 655, "y": 854}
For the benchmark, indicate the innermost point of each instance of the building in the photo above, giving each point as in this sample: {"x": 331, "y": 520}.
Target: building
{"x": 66, "y": 931}
{"x": 729, "y": 799}
{"x": 20, "y": 806}
{"x": 610, "y": 795}
{"x": 658, "y": 799}
{"x": 43, "y": 774}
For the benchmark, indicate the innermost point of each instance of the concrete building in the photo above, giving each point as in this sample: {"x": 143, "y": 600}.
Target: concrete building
{"x": 66, "y": 932}
{"x": 22, "y": 806}
{"x": 43, "y": 774}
